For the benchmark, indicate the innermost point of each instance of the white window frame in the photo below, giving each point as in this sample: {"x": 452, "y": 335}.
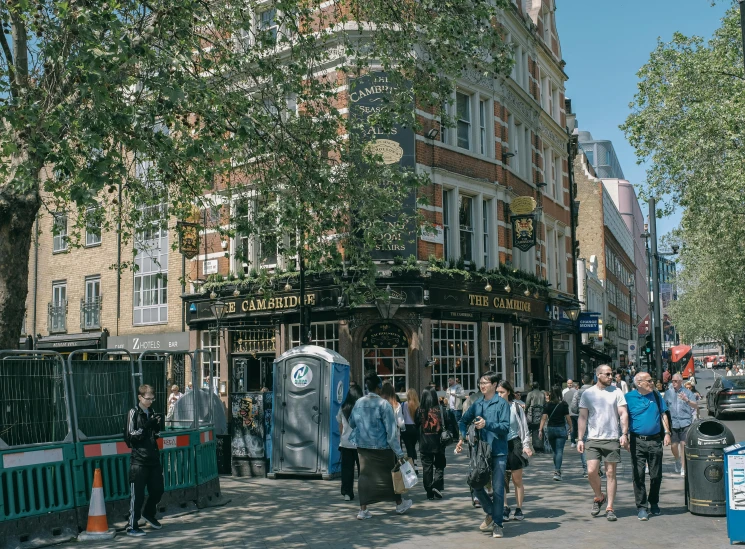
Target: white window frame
{"x": 373, "y": 354}
{"x": 496, "y": 348}
{"x": 59, "y": 231}
{"x": 59, "y": 301}
{"x": 209, "y": 343}
{"x": 92, "y": 233}
{"x": 468, "y": 230}
{"x": 92, "y": 311}
{"x": 518, "y": 358}
{"x": 448, "y": 359}
{"x": 463, "y": 120}
{"x": 324, "y": 339}
{"x": 483, "y": 118}
{"x": 485, "y": 233}
{"x": 150, "y": 283}
{"x": 447, "y": 220}
{"x": 262, "y": 24}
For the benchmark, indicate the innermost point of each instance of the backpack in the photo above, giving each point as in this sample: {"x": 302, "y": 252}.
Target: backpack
{"x": 534, "y": 415}
{"x": 574, "y": 408}
{"x": 127, "y": 440}
{"x": 479, "y": 467}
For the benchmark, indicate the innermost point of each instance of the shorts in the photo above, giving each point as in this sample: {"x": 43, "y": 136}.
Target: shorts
{"x": 679, "y": 434}
{"x": 608, "y": 450}
{"x": 515, "y": 459}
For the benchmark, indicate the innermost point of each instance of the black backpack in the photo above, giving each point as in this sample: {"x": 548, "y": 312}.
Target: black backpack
{"x": 479, "y": 467}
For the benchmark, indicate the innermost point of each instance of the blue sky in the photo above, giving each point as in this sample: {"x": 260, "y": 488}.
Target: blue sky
{"x": 604, "y": 43}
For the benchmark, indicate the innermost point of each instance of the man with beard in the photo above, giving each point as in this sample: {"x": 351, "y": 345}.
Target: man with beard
{"x": 601, "y": 409}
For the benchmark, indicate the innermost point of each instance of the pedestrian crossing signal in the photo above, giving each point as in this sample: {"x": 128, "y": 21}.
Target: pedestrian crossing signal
{"x": 648, "y": 346}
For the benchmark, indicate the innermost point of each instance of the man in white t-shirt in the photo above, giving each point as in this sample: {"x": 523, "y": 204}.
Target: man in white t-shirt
{"x": 603, "y": 412}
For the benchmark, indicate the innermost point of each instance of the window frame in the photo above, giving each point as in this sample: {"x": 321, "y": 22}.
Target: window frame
{"x": 468, "y": 230}
{"x": 518, "y": 357}
{"x": 463, "y": 123}
{"x": 59, "y": 232}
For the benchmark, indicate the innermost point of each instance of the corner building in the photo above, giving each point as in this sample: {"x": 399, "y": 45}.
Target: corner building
{"x": 509, "y": 140}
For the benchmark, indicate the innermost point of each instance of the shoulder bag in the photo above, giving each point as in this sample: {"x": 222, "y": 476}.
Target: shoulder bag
{"x": 446, "y": 437}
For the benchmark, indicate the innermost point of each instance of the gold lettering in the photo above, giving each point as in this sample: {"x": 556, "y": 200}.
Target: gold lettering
{"x": 293, "y": 301}
{"x": 231, "y": 307}
{"x": 471, "y": 297}
{"x": 261, "y": 304}
{"x": 244, "y": 306}
{"x": 270, "y": 305}
{"x": 310, "y": 299}
{"x": 253, "y": 305}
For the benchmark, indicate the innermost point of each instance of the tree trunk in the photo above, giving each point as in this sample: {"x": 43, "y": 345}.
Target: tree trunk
{"x": 17, "y": 216}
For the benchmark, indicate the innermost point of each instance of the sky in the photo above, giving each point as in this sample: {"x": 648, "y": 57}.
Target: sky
{"x": 604, "y": 44}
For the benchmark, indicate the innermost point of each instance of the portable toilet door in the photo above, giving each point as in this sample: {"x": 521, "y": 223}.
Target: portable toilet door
{"x": 298, "y": 400}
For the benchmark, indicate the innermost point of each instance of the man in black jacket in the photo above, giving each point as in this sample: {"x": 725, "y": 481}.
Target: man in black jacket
{"x": 145, "y": 470}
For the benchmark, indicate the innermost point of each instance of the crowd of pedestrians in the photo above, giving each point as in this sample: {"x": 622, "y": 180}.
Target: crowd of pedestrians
{"x": 608, "y": 411}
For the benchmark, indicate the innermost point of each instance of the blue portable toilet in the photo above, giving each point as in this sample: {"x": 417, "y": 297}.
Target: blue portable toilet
{"x": 734, "y": 474}
{"x": 310, "y": 385}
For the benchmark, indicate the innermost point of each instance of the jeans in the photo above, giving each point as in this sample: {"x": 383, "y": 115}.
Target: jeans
{"x": 643, "y": 452}
{"x": 410, "y": 437}
{"x": 557, "y": 437}
{"x": 458, "y": 414}
{"x": 494, "y": 505}
{"x": 348, "y": 459}
{"x": 433, "y": 466}
{"x": 575, "y": 428}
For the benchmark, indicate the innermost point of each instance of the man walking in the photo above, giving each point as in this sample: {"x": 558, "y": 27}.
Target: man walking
{"x": 574, "y": 410}
{"x": 647, "y": 425}
{"x": 568, "y": 396}
{"x": 681, "y": 402}
{"x": 141, "y": 434}
{"x": 601, "y": 408}
{"x": 455, "y": 396}
{"x": 490, "y": 415}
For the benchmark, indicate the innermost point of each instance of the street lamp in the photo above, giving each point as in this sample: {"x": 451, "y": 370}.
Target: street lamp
{"x": 218, "y": 308}
{"x": 388, "y": 305}
{"x": 572, "y": 312}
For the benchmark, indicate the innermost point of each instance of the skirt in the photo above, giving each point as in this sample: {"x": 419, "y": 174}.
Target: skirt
{"x": 375, "y": 483}
{"x": 515, "y": 459}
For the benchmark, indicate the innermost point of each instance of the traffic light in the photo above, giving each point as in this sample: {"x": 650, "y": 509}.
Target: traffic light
{"x": 648, "y": 346}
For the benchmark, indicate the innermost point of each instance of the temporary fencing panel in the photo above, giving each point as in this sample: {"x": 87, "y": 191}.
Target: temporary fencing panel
{"x": 112, "y": 456}
{"x": 206, "y": 454}
{"x": 178, "y": 460}
{"x": 35, "y": 400}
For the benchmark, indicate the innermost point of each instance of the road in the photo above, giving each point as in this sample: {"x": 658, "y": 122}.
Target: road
{"x": 735, "y": 422}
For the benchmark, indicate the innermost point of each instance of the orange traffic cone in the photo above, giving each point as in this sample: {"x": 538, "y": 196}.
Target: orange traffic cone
{"x": 98, "y": 526}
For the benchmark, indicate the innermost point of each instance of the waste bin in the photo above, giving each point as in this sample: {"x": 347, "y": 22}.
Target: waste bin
{"x": 310, "y": 384}
{"x": 704, "y": 465}
{"x": 734, "y": 480}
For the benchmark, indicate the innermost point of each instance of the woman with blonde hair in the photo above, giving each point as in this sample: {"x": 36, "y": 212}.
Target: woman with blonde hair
{"x": 411, "y": 434}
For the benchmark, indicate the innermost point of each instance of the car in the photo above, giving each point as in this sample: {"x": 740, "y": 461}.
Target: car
{"x": 726, "y": 395}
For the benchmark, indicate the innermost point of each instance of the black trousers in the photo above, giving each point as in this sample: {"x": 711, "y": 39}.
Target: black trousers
{"x": 349, "y": 458}
{"x": 574, "y": 429}
{"x": 645, "y": 452}
{"x": 433, "y": 466}
{"x": 141, "y": 476}
{"x": 410, "y": 437}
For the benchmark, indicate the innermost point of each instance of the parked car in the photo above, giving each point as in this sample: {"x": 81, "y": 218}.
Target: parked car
{"x": 727, "y": 394}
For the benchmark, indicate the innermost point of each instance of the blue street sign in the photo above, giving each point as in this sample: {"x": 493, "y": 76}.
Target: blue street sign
{"x": 588, "y": 322}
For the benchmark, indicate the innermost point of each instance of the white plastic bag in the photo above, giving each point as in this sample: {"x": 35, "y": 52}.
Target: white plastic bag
{"x": 409, "y": 475}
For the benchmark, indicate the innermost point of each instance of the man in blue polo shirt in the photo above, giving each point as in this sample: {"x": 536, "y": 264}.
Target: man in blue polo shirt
{"x": 646, "y": 419}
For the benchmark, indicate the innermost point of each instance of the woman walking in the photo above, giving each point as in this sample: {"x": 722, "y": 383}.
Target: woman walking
{"x": 411, "y": 435}
{"x": 375, "y": 434}
{"x": 431, "y": 420}
{"x": 346, "y": 447}
{"x": 389, "y": 393}
{"x": 556, "y": 415}
{"x": 518, "y": 443}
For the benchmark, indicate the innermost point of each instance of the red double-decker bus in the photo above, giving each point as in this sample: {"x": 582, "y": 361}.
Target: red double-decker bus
{"x": 681, "y": 357}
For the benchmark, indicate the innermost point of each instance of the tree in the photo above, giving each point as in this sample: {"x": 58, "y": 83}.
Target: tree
{"x": 112, "y": 106}
{"x": 688, "y": 121}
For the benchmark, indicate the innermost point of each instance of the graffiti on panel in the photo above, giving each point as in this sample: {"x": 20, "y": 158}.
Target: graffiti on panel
{"x": 248, "y": 425}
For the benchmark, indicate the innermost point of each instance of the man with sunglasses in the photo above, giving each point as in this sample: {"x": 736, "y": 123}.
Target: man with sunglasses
{"x": 681, "y": 402}
{"x": 141, "y": 434}
{"x": 648, "y": 428}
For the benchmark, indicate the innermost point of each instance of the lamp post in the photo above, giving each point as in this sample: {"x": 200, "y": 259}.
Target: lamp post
{"x": 388, "y": 305}
{"x": 218, "y": 308}
{"x": 573, "y": 314}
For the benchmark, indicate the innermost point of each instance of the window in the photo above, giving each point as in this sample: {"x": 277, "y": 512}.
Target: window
{"x": 454, "y": 353}
{"x": 590, "y": 157}
{"x": 517, "y": 356}
{"x": 465, "y": 214}
{"x": 496, "y": 348}
{"x": 557, "y": 186}
{"x": 58, "y": 308}
{"x": 463, "y": 115}
{"x": 150, "y": 300}
{"x": 90, "y": 308}
{"x": 390, "y": 364}
{"x": 485, "y": 222}
{"x": 446, "y": 222}
{"x": 59, "y": 230}
{"x": 92, "y": 227}
{"x": 443, "y": 130}
{"x": 607, "y": 158}
{"x": 482, "y": 126}
{"x": 267, "y": 24}
{"x": 550, "y": 257}
{"x": 323, "y": 334}
{"x": 257, "y": 215}
{"x": 209, "y": 342}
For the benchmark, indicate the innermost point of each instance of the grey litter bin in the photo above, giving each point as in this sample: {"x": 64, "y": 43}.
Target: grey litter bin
{"x": 704, "y": 465}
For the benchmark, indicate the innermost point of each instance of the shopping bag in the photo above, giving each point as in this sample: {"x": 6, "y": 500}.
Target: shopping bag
{"x": 409, "y": 474}
{"x": 398, "y": 480}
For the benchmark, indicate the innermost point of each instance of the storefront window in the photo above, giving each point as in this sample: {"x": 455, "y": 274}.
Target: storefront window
{"x": 496, "y": 348}
{"x": 517, "y": 354}
{"x": 390, "y": 364}
{"x": 323, "y": 334}
{"x": 209, "y": 343}
{"x": 455, "y": 355}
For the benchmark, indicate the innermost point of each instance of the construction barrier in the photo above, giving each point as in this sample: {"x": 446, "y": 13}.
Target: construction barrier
{"x": 46, "y": 475}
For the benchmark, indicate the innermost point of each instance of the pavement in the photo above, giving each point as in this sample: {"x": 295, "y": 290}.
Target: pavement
{"x": 310, "y": 513}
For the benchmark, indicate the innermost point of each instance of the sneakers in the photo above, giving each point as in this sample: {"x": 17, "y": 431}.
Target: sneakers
{"x": 497, "y": 532}
{"x": 135, "y": 532}
{"x": 476, "y": 502}
{"x": 506, "y": 514}
{"x": 557, "y": 476}
{"x": 362, "y": 515}
{"x": 347, "y": 498}
{"x": 436, "y": 493}
{"x": 682, "y": 472}
{"x": 655, "y": 510}
{"x": 584, "y": 475}
{"x": 404, "y": 506}
{"x": 677, "y": 466}
{"x": 611, "y": 516}
{"x": 596, "y": 503}
{"x": 642, "y": 514}
{"x": 518, "y": 514}
{"x": 153, "y": 522}
{"x": 574, "y": 445}
{"x": 487, "y": 525}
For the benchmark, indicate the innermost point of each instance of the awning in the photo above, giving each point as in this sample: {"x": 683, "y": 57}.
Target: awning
{"x": 594, "y": 353}
{"x": 70, "y": 342}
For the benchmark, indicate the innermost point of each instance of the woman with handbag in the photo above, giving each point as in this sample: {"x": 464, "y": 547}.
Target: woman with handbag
{"x": 518, "y": 443}
{"x": 556, "y": 417}
{"x": 431, "y": 422}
